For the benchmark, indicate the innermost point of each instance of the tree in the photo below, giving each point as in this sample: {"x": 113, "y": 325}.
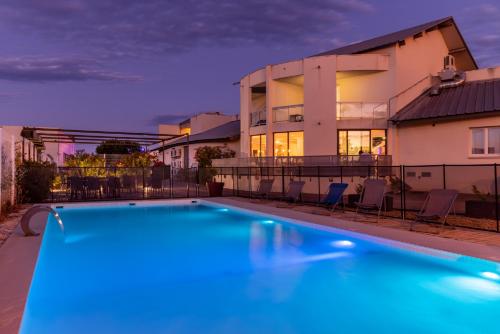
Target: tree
{"x": 205, "y": 154}
{"x": 118, "y": 147}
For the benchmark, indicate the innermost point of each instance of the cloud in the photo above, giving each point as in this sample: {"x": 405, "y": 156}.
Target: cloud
{"x": 39, "y": 69}
{"x": 481, "y": 26}
{"x": 157, "y": 27}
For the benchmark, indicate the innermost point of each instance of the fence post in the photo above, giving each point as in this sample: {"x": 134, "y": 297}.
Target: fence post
{"x": 319, "y": 184}
{"x": 232, "y": 178}
{"x": 171, "y": 172}
{"x": 237, "y": 181}
{"x": 143, "y": 184}
{"x": 250, "y": 181}
{"x": 187, "y": 179}
{"x": 283, "y": 180}
{"x": 496, "y": 196}
{"x": 444, "y": 176}
{"x": 403, "y": 190}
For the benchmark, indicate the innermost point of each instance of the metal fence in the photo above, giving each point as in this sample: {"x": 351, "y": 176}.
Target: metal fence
{"x": 477, "y": 205}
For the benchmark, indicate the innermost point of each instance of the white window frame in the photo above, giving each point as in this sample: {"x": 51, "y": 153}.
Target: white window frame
{"x": 485, "y": 143}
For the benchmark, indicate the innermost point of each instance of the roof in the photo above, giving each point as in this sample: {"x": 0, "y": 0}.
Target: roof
{"x": 226, "y": 132}
{"x": 472, "y": 99}
{"x": 393, "y": 38}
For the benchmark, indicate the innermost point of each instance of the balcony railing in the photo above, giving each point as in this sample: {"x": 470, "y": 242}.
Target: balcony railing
{"x": 258, "y": 118}
{"x": 361, "y": 110}
{"x": 319, "y": 160}
{"x": 291, "y": 113}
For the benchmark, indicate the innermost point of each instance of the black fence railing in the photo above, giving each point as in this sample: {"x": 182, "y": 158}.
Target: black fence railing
{"x": 477, "y": 205}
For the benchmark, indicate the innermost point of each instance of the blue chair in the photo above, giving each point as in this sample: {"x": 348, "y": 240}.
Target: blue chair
{"x": 334, "y": 196}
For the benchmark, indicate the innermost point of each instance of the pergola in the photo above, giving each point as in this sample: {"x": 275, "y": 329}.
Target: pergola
{"x": 39, "y": 136}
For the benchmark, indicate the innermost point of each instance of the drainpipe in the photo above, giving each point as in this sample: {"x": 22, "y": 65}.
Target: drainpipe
{"x": 459, "y": 79}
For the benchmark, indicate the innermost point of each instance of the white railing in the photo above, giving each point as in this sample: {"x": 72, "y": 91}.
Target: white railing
{"x": 319, "y": 160}
{"x": 361, "y": 110}
{"x": 291, "y": 113}
{"x": 258, "y": 117}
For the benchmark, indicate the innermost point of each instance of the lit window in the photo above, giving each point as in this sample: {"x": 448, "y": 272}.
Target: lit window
{"x": 258, "y": 145}
{"x": 485, "y": 141}
{"x": 353, "y": 142}
{"x": 281, "y": 144}
{"x": 296, "y": 143}
{"x": 378, "y": 141}
{"x": 288, "y": 143}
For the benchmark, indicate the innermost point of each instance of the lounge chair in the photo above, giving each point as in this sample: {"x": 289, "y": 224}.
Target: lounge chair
{"x": 334, "y": 196}
{"x": 294, "y": 191}
{"x": 372, "y": 196}
{"x": 436, "y": 207}
{"x": 265, "y": 187}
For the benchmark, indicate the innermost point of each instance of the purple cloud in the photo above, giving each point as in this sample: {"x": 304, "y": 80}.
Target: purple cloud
{"x": 30, "y": 69}
{"x": 156, "y": 27}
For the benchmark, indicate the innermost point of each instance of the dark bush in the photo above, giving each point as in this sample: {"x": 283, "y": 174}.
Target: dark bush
{"x": 34, "y": 180}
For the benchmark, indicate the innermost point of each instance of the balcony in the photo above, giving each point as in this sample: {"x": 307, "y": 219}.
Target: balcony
{"x": 258, "y": 118}
{"x": 361, "y": 110}
{"x": 291, "y": 113}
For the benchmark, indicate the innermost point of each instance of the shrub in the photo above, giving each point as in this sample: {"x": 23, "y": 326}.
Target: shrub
{"x": 34, "y": 180}
{"x": 138, "y": 159}
{"x": 204, "y": 156}
{"x": 94, "y": 164}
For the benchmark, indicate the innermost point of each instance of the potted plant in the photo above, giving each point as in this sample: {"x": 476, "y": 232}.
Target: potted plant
{"x": 483, "y": 206}
{"x": 204, "y": 156}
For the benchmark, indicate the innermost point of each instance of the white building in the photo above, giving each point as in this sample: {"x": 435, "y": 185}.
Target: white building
{"x": 339, "y": 102}
{"x": 206, "y": 129}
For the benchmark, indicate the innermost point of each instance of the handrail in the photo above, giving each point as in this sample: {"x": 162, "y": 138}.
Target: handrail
{"x": 26, "y": 219}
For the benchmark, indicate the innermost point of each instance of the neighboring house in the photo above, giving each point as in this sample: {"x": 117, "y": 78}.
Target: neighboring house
{"x": 456, "y": 124}
{"x": 339, "y": 102}
{"x": 207, "y": 129}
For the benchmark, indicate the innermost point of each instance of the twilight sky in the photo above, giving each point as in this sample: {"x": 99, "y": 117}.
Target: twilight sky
{"x": 126, "y": 65}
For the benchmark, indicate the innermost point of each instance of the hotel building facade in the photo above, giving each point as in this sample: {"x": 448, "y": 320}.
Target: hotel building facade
{"x": 345, "y": 101}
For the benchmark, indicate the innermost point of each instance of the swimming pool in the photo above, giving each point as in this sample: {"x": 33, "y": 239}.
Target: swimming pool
{"x": 202, "y": 268}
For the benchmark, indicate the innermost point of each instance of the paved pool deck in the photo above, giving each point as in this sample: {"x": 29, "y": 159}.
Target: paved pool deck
{"x": 18, "y": 253}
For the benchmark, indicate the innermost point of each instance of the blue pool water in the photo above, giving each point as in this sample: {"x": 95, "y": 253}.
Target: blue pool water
{"x": 196, "y": 268}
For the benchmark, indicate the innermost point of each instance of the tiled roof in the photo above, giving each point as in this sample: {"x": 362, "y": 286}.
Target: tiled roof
{"x": 393, "y": 38}
{"x": 224, "y": 132}
{"x": 472, "y": 99}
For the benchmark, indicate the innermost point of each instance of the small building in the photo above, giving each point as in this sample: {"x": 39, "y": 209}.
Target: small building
{"x": 207, "y": 129}
{"x": 454, "y": 122}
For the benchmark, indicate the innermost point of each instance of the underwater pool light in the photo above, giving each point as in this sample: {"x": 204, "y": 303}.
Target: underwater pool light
{"x": 343, "y": 244}
{"x": 268, "y": 221}
{"x": 490, "y": 275}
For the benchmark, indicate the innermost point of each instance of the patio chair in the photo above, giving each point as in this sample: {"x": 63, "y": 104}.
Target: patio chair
{"x": 334, "y": 196}
{"x": 113, "y": 186}
{"x": 76, "y": 187}
{"x": 264, "y": 190}
{"x": 372, "y": 196}
{"x": 93, "y": 187}
{"x": 436, "y": 207}
{"x": 294, "y": 191}
{"x": 128, "y": 183}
